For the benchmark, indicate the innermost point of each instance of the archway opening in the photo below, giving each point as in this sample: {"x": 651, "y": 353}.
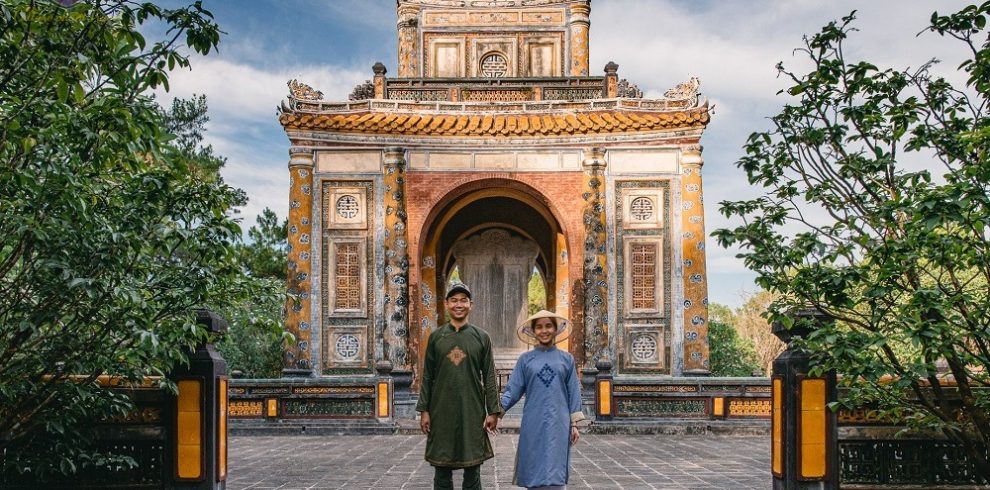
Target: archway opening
{"x": 498, "y": 241}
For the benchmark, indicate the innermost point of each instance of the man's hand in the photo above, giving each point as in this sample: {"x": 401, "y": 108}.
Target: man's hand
{"x": 575, "y": 435}
{"x": 424, "y": 422}
{"x": 491, "y": 423}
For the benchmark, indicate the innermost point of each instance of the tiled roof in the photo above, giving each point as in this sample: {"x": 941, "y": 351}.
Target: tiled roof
{"x": 498, "y": 125}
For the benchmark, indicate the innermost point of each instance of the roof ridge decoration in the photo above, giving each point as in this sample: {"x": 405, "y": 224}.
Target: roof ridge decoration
{"x": 682, "y": 95}
{"x": 684, "y": 91}
{"x": 301, "y": 91}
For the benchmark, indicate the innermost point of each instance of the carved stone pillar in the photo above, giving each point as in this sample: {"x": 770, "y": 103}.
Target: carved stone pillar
{"x": 298, "y": 321}
{"x": 409, "y": 51}
{"x": 611, "y": 80}
{"x": 695, "y": 274}
{"x": 395, "y": 336}
{"x": 579, "y": 26}
{"x": 379, "y": 83}
{"x": 595, "y": 259}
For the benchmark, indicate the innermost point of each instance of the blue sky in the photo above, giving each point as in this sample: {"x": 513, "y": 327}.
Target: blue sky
{"x": 732, "y": 46}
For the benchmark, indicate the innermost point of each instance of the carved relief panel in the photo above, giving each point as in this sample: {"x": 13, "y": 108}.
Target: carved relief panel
{"x": 347, "y": 263}
{"x": 346, "y": 208}
{"x": 347, "y": 284}
{"x": 492, "y": 57}
{"x": 485, "y": 55}
{"x": 642, "y": 209}
{"x": 346, "y": 346}
{"x": 643, "y": 271}
{"x": 645, "y": 347}
{"x": 643, "y": 280}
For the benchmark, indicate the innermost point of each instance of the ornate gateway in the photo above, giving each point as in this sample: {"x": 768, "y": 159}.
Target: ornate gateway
{"x": 494, "y": 127}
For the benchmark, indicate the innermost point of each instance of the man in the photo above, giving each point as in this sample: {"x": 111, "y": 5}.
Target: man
{"x": 458, "y": 399}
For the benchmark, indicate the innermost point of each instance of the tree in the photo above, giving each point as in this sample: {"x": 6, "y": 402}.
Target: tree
{"x": 254, "y": 343}
{"x": 896, "y": 254}
{"x": 751, "y": 323}
{"x": 108, "y": 237}
{"x": 536, "y": 292}
{"x": 731, "y": 354}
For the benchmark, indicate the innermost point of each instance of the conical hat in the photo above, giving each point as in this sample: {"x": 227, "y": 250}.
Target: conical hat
{"x": 525, "y": 331}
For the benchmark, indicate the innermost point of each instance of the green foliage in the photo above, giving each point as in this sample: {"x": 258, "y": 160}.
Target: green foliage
{"x": 265, "y": 253}
{"x": 730, "y": 354}
{"x": 186, "y": 119}
{"x": 254, "y": 343}
{"x": 108, "y": 237}
{"x": 537, "y": 293}
{"x": 897, "y": 253}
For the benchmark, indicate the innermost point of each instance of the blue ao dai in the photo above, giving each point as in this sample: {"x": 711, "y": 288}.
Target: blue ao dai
{"x": 548, "y": 378}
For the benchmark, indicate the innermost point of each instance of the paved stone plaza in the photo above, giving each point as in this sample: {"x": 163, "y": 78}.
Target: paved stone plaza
{"x": 599, "y": 462}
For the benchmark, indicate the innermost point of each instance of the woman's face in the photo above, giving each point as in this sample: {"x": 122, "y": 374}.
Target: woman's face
{"x": 545, "y": 330}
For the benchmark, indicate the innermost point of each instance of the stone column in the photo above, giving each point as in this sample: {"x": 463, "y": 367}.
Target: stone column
{"x": 611, "y": 80}
{"x": 409, "y": 52}
{"x": 298, "y": 361}
{"x": 595, "y": 260}
{"x": 695, "y": 275}
{"x": 395, "y": 336}
{"x": 379, "y": 83}
{"x": 579, "y": 24}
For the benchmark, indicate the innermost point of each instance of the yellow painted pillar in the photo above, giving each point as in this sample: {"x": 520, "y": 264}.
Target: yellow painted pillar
{"x": 561, "y": 286}
{"x": 579, "y": 26}
{"x": 298, "y": 321}
{"x": 408, "y": 41}
{"x": 396, "y": 260}
{"x": 695, "y": 274}
{"x": 595, "y": 259}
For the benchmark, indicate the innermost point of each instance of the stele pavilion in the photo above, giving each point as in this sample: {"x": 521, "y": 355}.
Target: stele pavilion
{"x": 493, "y": 152}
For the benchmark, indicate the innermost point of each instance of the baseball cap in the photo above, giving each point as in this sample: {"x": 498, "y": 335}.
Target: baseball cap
{"x": 458, "y": 288}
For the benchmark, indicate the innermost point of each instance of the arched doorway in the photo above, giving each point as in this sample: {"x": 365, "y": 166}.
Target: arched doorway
{"x": 495, "y": 236}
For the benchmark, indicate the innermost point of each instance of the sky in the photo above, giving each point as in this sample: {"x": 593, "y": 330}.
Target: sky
{"x": 732, "y": 46}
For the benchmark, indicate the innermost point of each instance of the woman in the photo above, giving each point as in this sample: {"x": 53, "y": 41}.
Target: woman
{"x": 548, "y": 378}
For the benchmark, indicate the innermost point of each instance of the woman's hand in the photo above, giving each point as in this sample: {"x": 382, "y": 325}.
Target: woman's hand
{"x": 575, "y": 435}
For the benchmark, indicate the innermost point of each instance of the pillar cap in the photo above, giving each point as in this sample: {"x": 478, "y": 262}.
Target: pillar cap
{"x": 611, "y": 68}
{"x": 604, "y": 366}
{"x": 806, "y": 320}
{"x": 594, "y": 158}
{"x": 383, "y": 367}
{"x": 379, "y": 68}
{"x": 213, "y": 322}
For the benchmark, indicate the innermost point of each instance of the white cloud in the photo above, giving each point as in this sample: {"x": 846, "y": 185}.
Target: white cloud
{"x": 237, "y": 91}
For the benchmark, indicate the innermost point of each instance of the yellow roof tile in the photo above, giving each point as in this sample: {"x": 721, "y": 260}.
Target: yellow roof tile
{"x": 605, "y": 121}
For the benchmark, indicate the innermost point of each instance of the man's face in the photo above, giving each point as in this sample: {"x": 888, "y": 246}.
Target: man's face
{"x": 459, "y": 306}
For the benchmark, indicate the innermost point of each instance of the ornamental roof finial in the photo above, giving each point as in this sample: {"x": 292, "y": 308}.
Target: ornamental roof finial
{"x": 301, "y": 91}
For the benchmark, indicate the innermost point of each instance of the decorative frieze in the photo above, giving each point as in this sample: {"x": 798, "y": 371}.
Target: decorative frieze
{"x": 327, "y": 408}
{"x": 750, "y": 407}
{"x": 652, "y": 407}
{"x": 244, "y": 408}
{"x": 664, "y": 388}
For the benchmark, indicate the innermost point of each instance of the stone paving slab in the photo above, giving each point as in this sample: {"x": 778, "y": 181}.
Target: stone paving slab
{"x": 606, "y": 462}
